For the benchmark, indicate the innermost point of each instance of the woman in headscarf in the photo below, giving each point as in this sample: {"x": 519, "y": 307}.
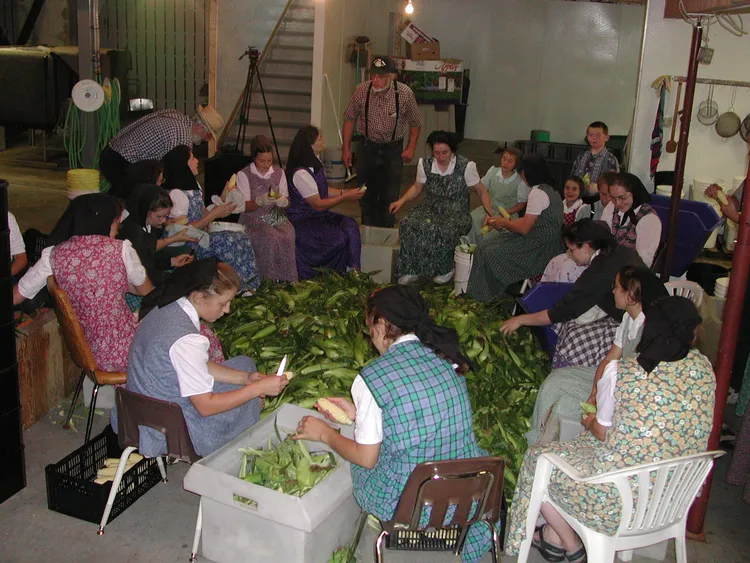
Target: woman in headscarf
{"x": 96, "y": 271}
{"x": 169, "y": 360}
{"x": 430, "y": 232}
{"x": 633, "y": 221}
{"x": 634, "y": 290}
{"x": 266, "y": 194}
{"x": 519, "y": 248}
{"x": 232, "y": 247}
{"x": 410, "y": 405}
{"x": 587, "y": 316}
{"x": 323, "y": 239}
{"x": 657, "y": 406}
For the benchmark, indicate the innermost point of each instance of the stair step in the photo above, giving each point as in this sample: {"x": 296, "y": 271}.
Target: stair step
{"x": 284, "y": 114}
{"x": 285, "y": 100}
{"x": 287, "y": 67}
{"x": 289, "y": 53}
{"x": 288, "y": 83}
{"x": 294, "y": 39}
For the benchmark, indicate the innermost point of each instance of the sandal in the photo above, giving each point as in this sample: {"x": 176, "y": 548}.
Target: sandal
{"x": 578, "y": 556}
{"x": 549, "y": 551}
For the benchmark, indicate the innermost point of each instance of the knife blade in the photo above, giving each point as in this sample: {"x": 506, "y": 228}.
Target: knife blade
{"x": 282, "y": 365}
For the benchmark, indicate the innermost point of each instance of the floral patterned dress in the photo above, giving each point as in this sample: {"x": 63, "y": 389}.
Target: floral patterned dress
{"x": 90, "y": 270}
{"x": 665, "y": 414}
{"x": 231, "y": 247}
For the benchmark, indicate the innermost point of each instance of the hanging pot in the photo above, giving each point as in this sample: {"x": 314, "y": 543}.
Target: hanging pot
{"x": 708, "y": 110}
{"x": 728, "y": 124}
{"x": 745, "y": 129}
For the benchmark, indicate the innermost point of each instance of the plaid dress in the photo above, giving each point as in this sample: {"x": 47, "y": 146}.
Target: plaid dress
{"x": 426, "y": 417}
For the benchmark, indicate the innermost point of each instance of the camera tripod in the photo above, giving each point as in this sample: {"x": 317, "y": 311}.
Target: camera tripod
{"x": 253, "y": 74}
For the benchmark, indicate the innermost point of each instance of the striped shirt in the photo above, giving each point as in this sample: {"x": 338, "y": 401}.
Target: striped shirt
{"x": 153, "y": 136}
{"x": 382, "y": 112}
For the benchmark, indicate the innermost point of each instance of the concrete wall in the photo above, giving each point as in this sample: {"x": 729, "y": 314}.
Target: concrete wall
{"x": 52, "y": 26}
{"x": 665, "y": 51}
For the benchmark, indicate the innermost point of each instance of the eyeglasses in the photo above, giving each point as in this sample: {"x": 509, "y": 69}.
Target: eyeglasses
{"x": 621, "y": 198}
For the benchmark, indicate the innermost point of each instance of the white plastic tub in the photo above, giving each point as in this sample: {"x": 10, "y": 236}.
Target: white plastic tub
{"x": 278, "y": 527}
{"x": 463, "y": 261}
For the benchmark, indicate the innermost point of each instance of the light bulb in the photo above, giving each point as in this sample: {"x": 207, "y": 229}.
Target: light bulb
{"x": 409, "y": 8}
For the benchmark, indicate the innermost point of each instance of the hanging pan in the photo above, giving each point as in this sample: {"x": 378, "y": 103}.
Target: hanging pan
{"x": 745, "y": 129}
{"x": 708, "y": 110}
{"x": 728, "y": 124}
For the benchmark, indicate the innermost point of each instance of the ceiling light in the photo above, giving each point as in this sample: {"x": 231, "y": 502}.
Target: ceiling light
{"x": 409, "y": 8}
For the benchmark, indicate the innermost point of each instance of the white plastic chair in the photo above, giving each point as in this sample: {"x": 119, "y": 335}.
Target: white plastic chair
{"x": 665, "y": 490}
{"x": 688, "y": 289}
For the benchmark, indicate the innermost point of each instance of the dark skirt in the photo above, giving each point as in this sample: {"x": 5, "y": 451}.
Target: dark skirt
{"x": 327, "y": 241}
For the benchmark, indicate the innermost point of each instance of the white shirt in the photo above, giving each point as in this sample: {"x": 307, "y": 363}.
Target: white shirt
{"x": 16, "y": 240}
{"x": 471, "y": 176}
{"x": 243, "y": 184}
{"x": 605, "y": 394}
{"x": 538, "y": 201}
{"x": 36, "y": 278}
{"x": 305, "y": 183}
{"x": 647, "y": 232}
{"x": 368, "y": 428}
{"x": 189, "y": 357}
{"x": 180, "y": 203}
{"x": 584, "y": 209}
{"x": 635, "y": 325}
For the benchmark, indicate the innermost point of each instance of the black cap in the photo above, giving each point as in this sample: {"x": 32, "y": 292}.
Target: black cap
{"x": 383, "y": 65}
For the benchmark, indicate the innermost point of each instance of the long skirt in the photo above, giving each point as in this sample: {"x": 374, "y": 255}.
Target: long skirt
{"x": 235, "y": 249}
{"x": 274, "y": 248}
{"x": 739, "y": 467}
{"x": 327, "y": 241}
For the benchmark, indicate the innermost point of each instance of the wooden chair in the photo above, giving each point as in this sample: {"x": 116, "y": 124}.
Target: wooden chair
{"x": 80, "y": 353}
{"x": 460, "y": 483}
{"x": 134, "y": 410}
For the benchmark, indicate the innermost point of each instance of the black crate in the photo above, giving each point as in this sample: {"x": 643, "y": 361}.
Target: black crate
{"x": 12, "y": 473}
{"x": 70, "y": 482}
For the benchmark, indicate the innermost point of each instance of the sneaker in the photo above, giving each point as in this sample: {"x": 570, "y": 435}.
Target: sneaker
{"x": 407, "y": 279}
{"x": 732, "y": 397}
{"x": 445, "y": 278}
{"x": 727, "y": 437}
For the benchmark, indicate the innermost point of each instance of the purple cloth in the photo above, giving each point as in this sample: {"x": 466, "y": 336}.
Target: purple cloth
{"x": 323, "y": 239}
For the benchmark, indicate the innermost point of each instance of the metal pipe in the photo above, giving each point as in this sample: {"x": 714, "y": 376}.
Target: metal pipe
{"x": 727, "y": 344}
{"x": 715, "y": 81}
{"x": 682, "y": 146}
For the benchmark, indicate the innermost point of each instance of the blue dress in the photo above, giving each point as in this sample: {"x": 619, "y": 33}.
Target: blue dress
{"x": 232, "y": 247}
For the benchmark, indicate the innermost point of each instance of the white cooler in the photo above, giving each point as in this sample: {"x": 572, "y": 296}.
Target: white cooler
{"x": 278, "y": 527}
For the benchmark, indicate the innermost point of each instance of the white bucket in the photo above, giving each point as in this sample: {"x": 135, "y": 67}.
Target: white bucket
{"x": 666, "y": 190}
{"x": 720, "y": 287}
{"x": 463, "y": 260}
{"x": 334, "y": 166}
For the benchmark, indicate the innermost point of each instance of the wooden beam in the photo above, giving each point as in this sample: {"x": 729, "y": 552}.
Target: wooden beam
{"x": 213, "y": 12}
{"x": 28, "y": 25}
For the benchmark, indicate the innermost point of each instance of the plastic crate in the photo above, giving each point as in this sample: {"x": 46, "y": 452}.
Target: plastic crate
{"x": 70, "y": 482}
{"x": 274, "y": 527}
{"x": 695, "y": 223}
{"x": 412, "y": 540}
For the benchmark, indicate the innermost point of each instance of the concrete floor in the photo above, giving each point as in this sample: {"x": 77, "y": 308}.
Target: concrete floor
{"x": 159, "y": 527}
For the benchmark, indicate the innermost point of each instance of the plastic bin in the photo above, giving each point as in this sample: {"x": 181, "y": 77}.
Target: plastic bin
{"x": 695, "y": 223}
{"x": 70, "y": 482}
{"x": 540, "y": 297}
{"x": 379, "y": 252}
{"x": 277, "y": 527}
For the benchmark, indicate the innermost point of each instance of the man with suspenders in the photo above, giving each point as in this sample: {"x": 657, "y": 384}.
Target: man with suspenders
{"x": 383, "y": 110}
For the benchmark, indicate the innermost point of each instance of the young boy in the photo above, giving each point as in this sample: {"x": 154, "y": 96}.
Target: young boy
{"x": 592, "y": 163}
{"x": 603, "y": 184}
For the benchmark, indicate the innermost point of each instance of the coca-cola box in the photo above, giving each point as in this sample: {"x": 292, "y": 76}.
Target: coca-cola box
{"x": 432, "y": 81}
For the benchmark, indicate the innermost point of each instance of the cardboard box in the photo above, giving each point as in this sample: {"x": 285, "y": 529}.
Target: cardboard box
{"x": 432, "y": 81}
{"x": 424, "y": 51}
{"x": 379, "y": 252}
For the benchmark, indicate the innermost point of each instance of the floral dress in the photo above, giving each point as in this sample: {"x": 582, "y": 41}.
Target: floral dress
{"x": 662, "y": 415}
{"x": 430, "y": 233}
{"x": 231, "y": 247}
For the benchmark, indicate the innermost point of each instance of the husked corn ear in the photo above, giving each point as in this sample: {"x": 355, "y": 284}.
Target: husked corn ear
{"x": 107, "y": 472}
{"x": 132, "y": 460}
{"x": 102, "y": 480}
{"x": 335, "y": 411}
{"x": 503, "y": 212}
{"x": 722, "y": 197}
{"x": 289, "y": 375}
{"x": 233, "y": 181}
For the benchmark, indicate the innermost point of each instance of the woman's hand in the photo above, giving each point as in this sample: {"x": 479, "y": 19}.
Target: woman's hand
{"x": 343, "y": 404}
{"x": 353, "y": 194}
{"x": 181, "y": 260}
{"x": 712, "y": 190}
{"x": 269, "y": 385}
{"x": 592, "y": 398}
{"x": 511, "y": 325}
{"x": 181, "y": 236}
{"x": 313, "y": 429}
{"x": 394, "y": 207}
{"x": 221, "y": 211}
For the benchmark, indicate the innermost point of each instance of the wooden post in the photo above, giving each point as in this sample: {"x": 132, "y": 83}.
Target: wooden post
{"x": 213, "y": 13}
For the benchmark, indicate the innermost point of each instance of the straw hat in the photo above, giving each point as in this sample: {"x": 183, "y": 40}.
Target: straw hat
{"x": 211, "y": 120}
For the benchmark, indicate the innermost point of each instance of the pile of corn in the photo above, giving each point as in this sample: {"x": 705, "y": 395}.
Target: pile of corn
{"x": 320, "y": 325}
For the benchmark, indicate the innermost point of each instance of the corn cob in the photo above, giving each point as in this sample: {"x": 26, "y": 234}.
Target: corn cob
{"x": 336, "y": 412}
{"x": 233, "y": 181}
{"x": 503, "y": 212}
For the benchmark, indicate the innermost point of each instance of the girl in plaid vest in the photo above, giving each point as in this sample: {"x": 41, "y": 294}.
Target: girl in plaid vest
{"x": 410, "y": 406}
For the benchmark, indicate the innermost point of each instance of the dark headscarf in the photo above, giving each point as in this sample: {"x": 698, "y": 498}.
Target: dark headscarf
{"x": 405, "y": 308}
{"x": 139, "y": 202}
{"x": 595, "y": 233}
{"x": 177, "y": 173}
{"x": 668, "y": 332}
{"x": 301, "y": 154}
{"x": 194, "y": 276}
{"x": 652, "y": 288}
{"x": 633, "y": 184}
{"x": 536, "y": 171}
{"x": 91, "y": 214}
